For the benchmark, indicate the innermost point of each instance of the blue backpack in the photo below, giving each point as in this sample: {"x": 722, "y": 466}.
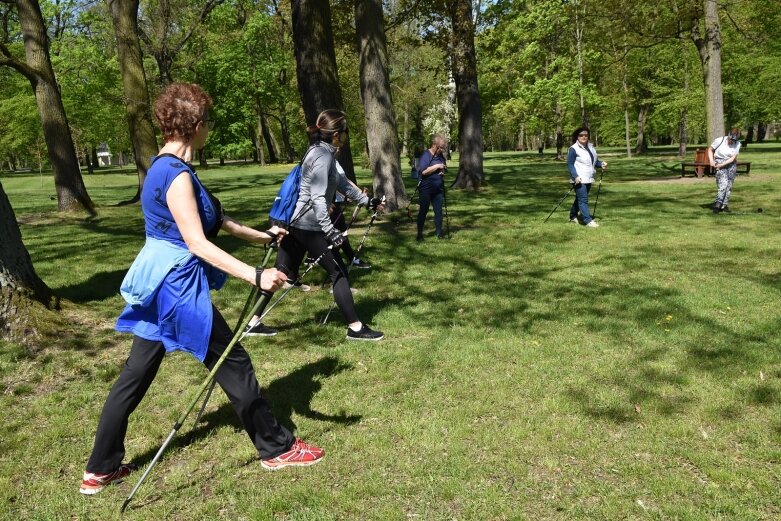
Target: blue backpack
{"x": 284, "y": 205}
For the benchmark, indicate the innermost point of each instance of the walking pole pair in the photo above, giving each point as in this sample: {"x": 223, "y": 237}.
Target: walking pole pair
{"x": 275, "y": 239}
{"x": 252, "y": 295}
{"x": 350, "y": 267}
{"x": 559, "y": 203}
{"x": 265, "y": 296}
{"x": 257, "y": 309}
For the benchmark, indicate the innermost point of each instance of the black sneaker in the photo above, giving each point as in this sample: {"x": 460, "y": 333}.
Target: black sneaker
{"x": 365, "y": 333}
{"x": 260, "y": 330}
{"x": 419, "y": 238}
{"x": 358, "y": 263}
{"x": 726, "y": 209}
{"x": 716, "y": 209}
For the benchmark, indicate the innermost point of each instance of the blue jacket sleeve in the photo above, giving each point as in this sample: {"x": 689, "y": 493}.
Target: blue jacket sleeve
{"x": 425, "y": 161}
{"x": 571, "y": 156}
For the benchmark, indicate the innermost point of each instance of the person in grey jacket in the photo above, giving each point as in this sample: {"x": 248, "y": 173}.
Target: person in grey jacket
{"x": 313, "y": 231}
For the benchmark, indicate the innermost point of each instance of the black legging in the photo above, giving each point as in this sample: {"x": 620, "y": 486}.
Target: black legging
{"x": 339, "y": 222}
{"x": 291, "y": 252}
{"x": 236, "y": 376}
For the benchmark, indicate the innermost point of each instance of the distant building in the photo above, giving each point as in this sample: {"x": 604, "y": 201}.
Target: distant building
{"x": 104, "y": 155}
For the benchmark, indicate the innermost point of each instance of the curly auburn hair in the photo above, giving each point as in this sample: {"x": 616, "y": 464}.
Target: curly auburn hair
{"x": 179, "y": 108}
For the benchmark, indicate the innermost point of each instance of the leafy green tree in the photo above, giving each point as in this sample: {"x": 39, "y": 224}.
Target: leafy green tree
{"x": 37, "y": 68}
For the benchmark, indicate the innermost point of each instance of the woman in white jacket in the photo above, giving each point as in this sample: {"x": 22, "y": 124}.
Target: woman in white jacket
{"x": 582, "y": 162}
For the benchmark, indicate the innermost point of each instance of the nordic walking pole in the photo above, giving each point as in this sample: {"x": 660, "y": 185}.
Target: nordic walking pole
{"x": 301, "y": 277}
{"x": 363, "y": 240}
{"x": 274, "y": 244}
{"x": 559, "y": 203}
{"x": 252, "y": 294}
{"x": 265, "y": 296}
{"x": 596, "y": 201}
{"x": 447, "y": 216}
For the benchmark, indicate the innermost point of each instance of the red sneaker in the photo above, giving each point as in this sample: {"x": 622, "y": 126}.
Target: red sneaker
{"x": 300, "y": 455}
{"x": 94, "y": 483}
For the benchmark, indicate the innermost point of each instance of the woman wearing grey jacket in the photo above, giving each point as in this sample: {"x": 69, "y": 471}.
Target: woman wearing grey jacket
{"x": 313, "y": 231}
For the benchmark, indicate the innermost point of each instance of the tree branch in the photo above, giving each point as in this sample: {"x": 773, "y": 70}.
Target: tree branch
{"x": 208, "y": 7}
{"x": 9, "y": 60}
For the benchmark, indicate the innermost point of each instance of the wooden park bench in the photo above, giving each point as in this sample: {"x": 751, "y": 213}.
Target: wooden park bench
{"x": 700, "y": 167}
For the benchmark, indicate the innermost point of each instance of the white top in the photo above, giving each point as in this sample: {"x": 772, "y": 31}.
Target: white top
{"x": 722, "y": 150}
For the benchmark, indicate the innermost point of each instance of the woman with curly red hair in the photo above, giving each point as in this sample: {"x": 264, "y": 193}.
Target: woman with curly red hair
{"x": 168, "y": 303}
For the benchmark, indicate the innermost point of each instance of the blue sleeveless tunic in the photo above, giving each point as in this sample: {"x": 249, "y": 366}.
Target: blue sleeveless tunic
{"x": 167, "y": 287}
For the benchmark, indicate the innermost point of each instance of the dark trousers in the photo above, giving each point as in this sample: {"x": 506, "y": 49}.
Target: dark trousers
{"x": 337, "y": 218}
{"x": 236, "y": 376}
{"x": 427, "y": 199}
{"x": 291, "y": 252}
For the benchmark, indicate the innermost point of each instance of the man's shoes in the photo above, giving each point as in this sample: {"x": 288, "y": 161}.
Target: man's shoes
{"x": 574, "y": 220}
{"x": 716, "y": 209}
{"x": 358, "y": 263}
{"x": 93, "y": 483}
{"x": 301, "y": 454}
{"x": 260, "y": 330}
{"x": 440, "y": 236}
{"x": 725, "y": 209}
{"x": 419, "y": 238}
{"x": 365, "y": 333}
{"x": 592, "y": 224}
{"x": 299, "y": 285}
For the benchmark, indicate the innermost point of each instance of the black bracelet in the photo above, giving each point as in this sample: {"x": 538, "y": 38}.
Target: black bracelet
{"x": 258, "y": 273}
{"x": 272, "y": 235}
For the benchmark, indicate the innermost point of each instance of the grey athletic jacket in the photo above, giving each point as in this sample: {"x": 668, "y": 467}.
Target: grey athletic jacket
{"x": 319, "y": 182}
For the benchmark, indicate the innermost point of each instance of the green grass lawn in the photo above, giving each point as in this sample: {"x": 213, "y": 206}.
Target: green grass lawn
{"x": 530, "y": 370}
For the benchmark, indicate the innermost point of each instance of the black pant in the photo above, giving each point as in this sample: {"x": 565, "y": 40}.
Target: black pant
{"x": 291, "y": 252}
{"x": 236, "y": 376}
{"x": 434, "y": 197}
{"x": 337, "y": 218}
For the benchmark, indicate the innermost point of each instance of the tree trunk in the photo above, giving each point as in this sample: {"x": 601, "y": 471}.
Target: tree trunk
{"x": 269, "y": 139}
{"x": 762, "y": 133}
{"x": 124, "y": 16}
{"x": 709, "y": 50}
{"x": 683, "y": 133}
{"x": 750, "y": 134}
{"x": 683, "y": 126}
{"x": 284, "y": 128}
{"x": 470, "y": 112}
{"x": 559, "y": 133}
{"x": 21, "y": 291}
{"x": 381, "y": 134}
{"x": 71, "y": 192}
{"x": 318, "y": 78}
{"x": 259, "y": 141}
{"x": 642, "y": 116}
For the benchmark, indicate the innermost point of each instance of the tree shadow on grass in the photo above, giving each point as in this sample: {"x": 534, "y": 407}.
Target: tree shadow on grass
{"x": 289, "y": 394}
{"x": 99, "y": 286}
